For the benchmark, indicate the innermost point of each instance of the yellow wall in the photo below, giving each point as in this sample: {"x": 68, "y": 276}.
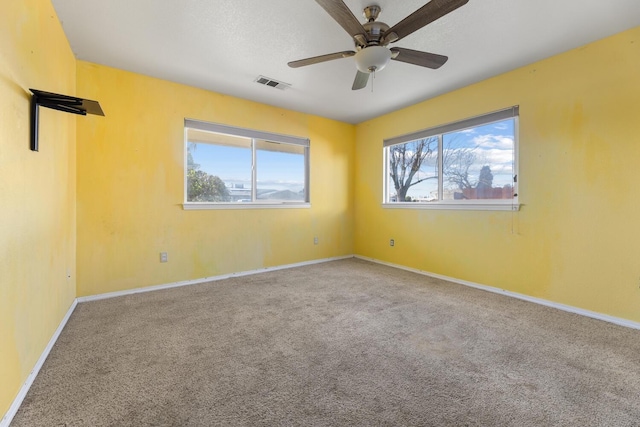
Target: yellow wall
{"x": 130, "y": 188}
{"x": 37, "y": 190}
{"x": 576, "y": 239}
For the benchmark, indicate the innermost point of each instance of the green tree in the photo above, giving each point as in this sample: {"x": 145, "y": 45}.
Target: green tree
{"x": 201, "y": 186}
{"x": 191, "y": 164}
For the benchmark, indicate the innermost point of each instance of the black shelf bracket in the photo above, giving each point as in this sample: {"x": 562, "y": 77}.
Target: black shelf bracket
{"x": 68, "y": 104}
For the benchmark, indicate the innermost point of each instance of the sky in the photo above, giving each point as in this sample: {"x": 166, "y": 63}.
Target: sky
{"x": 233, "y": 164}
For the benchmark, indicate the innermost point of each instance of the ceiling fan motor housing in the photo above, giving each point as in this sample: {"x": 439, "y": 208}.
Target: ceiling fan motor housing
{"x": 375, "y": 31}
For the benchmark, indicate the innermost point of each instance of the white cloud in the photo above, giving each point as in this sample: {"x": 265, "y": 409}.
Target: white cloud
{"x": 495, "y": 155}
{"x": 502, "y": 142}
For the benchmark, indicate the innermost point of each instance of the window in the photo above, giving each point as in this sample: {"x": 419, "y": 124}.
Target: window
{"x": 471, "y": 164}
{"x": 228, "y": 167}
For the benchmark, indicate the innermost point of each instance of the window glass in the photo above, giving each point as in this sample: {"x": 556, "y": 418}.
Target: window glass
{"x": 472, "y": 160}
{"x": 280, "y": 171}
{"x": 413, "y": 171}
{"x": 478, "y": 162}
{"x": 222, "y": 167}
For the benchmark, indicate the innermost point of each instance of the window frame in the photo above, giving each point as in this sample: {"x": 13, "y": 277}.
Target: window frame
{"x": 254, "y": 135}
{"x": 438, "y": 131}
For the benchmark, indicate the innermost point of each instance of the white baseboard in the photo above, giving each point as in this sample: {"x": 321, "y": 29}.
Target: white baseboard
{"x": 13, "y": 409}
{"x": 563, "y": 307}
{"x": 205, "y": 279}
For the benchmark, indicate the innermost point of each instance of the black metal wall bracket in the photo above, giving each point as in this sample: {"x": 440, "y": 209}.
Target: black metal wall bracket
{"x": 68, "y": 104}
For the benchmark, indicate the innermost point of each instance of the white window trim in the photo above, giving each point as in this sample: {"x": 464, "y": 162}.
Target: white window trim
{"x": 484, "y": 204}
{"x": 199, "y": 206}
{"x": 463, "y": 205}
{"x": 253, "y": 134}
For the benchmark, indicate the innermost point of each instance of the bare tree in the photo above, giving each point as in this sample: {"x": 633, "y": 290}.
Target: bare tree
{"x": 405, "y": 161}
{"x": 456, "y": 164}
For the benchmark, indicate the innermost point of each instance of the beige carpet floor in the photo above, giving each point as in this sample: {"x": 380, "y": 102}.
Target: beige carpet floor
{"x": 336, "y": 344}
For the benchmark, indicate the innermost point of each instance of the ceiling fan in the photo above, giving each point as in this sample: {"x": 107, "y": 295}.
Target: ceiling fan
{"x": 373, "y": 37}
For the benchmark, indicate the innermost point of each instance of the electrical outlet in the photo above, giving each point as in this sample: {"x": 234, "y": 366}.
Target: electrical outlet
{"x": 392, "y": 242}
{"x": 315, "y": 240}
{"x": 164, "y": 257}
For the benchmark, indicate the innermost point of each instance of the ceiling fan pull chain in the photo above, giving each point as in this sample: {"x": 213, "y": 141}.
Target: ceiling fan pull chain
{"x": 373, "y": 80}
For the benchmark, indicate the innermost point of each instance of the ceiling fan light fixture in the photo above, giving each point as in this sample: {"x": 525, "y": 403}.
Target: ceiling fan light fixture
{"x": 372, "y": 58}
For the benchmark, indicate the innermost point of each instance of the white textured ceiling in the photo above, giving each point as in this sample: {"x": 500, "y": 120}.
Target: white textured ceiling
{"x": 223, "y": 45}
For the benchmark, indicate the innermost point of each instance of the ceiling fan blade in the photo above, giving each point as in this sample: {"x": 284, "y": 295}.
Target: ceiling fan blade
{"x": 343, "y": 16}
{"x": 360, "y": 81}
{"x": 416, "y": 57}
{"x": 425, "y": 15}
{"x": 321, "y": 58}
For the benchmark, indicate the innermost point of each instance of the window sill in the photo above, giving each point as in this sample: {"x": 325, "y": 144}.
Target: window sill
{"x": 457, "y": 206}
{"x": 240, "y": 205}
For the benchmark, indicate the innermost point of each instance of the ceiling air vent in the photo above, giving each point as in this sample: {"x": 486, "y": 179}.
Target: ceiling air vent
{"x": 271, "y": 82}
